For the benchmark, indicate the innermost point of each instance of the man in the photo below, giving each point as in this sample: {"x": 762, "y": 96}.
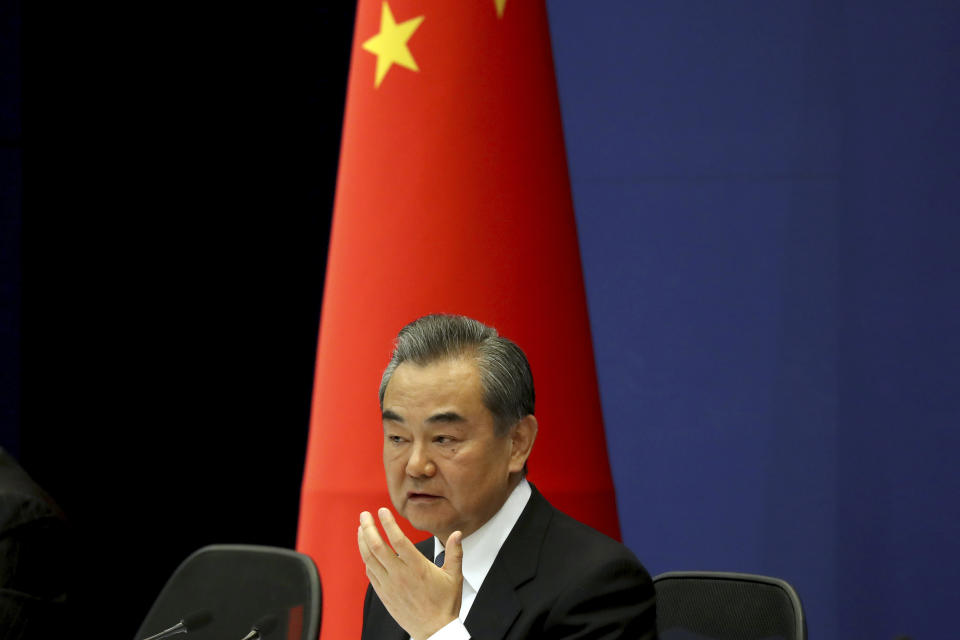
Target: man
{"x": 457, "y": 402}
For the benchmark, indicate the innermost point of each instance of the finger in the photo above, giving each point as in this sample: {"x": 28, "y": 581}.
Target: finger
{"x": 400, "y": 542}
{"x": 369, "y": 562}
{"x": 367, "y": 540}
{"x": 453, "y": 554}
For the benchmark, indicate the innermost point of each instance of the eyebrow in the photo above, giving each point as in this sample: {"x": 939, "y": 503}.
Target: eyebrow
{"x": 446, "y": 416}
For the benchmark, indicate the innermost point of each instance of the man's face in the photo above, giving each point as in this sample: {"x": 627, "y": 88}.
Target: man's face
{"x": 446, "y": 469}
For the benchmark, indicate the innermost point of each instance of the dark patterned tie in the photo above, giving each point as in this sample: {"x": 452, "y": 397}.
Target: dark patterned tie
{"x": 439, "y": 559}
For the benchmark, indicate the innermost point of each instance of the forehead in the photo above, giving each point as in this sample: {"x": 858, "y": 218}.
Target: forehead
{"x": 449, "y": 383}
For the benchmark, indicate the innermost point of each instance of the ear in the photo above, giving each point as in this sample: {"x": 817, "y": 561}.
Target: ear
{"x": 521, "y": 442}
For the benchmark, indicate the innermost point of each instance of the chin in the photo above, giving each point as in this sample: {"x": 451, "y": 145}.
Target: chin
{"x": 421, "y": 523}
{"x": 430, "y": 525}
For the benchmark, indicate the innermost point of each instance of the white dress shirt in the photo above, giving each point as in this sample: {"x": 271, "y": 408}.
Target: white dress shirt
{"x": 480, "y": 549}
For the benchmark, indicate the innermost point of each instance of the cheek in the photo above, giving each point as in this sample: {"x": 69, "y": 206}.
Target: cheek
{"x": 393, "y": 466}
{"x": 392, "y": 454}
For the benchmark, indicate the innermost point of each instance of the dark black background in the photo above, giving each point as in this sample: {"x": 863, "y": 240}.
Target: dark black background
{"x": 178, "y": 177}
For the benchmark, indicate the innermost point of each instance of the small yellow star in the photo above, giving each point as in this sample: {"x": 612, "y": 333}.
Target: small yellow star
{"x": 501, "y": 5}
{"x": 390, "y": 45}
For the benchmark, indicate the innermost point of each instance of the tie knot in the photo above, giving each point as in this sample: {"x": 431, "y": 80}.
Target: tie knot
{"x": 439, "y": 559}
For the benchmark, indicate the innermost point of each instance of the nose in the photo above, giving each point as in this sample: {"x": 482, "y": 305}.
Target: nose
{"x": 419, "y": 464}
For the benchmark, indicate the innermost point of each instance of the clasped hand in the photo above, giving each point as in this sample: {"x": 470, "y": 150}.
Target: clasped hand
{"x": 421, "y": 597}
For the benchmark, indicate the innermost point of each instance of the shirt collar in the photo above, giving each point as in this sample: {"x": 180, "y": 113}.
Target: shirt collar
{"x": 481, "y": 547}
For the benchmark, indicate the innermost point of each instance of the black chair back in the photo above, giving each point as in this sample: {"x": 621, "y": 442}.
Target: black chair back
{"x": 236, "y": 586}
{"x": 713, "y": 605}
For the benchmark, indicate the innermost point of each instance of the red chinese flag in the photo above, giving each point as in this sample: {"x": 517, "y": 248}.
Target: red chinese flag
{"x": 452, "y": 197}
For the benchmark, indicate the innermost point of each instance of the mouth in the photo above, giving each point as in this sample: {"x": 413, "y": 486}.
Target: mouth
{"x": 421, "y": 498}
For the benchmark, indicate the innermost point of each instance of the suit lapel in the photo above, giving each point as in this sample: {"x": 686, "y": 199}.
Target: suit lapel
{"x": 497, "y": 605}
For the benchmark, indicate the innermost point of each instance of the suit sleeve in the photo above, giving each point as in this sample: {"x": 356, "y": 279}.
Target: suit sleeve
{"x": 370, "y": 627}
{"x": 613, "y": 599}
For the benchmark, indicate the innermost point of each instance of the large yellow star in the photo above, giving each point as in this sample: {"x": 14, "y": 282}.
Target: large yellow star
{"x": 390, "y": 45}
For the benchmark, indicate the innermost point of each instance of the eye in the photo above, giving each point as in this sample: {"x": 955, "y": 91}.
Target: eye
{"x": 443, "y": 439}
{"x": 395, "y": 439}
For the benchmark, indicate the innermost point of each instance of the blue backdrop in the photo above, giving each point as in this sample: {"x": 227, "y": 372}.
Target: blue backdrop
{"x": 766, "y": 195}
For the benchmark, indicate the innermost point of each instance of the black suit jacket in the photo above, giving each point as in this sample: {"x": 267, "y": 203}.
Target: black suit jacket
{"x": 553, "y": 578}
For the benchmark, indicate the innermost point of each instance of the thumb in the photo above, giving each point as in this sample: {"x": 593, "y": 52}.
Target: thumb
{"x": 453, "y": 554}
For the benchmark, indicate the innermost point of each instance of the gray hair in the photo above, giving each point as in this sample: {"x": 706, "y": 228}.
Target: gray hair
{"x": 504, "y": 371}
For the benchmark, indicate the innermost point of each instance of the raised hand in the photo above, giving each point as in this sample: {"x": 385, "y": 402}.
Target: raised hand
{"x": 421, "y": 597}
